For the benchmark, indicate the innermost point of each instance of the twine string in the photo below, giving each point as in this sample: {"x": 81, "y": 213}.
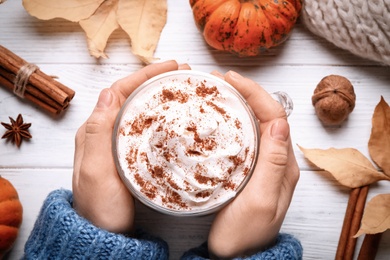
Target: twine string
{"x": 22, "y": 77}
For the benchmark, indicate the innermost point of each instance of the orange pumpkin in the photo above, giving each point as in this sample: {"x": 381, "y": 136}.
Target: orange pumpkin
{"x": 11, "y": 213}
{"x": 245, "y": 27}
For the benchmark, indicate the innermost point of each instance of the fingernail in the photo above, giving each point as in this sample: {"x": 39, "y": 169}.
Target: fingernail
{"x": 235, "y": 75}
{"x": 184, "y": 66}
{"x": 105, "y": 99}
{"x": 217, "y": 73}
{"x": 280, "y": 130}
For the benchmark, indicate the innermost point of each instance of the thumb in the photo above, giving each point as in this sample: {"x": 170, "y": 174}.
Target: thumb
{"x": 99, "y": 128}
{"x": 273, "y": 159}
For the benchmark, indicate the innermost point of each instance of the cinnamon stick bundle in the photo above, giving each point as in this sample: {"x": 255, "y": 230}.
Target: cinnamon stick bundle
{"x": 29, "y": 82}
{"x": 351, "y": 224}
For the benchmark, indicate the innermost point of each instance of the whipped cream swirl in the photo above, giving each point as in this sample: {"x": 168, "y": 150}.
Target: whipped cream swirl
{"x": 186, "y": 144}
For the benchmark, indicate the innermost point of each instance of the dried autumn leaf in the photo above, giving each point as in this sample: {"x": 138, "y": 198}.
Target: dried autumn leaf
{"x": 348, "y": 166}
{"x": 143, "y": 21}
{"x": 99, "y": 27}
{"x": 72, "y": 10}
{"x": 379, "y": 143}
{"x": 376, "y": 217}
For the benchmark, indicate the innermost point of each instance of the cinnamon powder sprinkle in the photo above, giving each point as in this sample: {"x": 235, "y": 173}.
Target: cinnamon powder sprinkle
{"x": 172, "y": 197}
{"x": 157, "y": 172}
{"x": 238, "y": 123}
{"x": 203, "y": 194}
{"x": 168, "y": 157}
{"x": 209, "y": 144}
{"x": 140, "y": 123}
{"x": 203, "y": 91}
{"x": 189, "y": 82}
{"x": 229, "y": 185}
{"x": 169, "y": 95}
{"x": 193, "y": 152}
{"x": 204, "y": 179}
{"x": 202, "y": 144}
{"x": 236, "y": 160}
{"x": 216, "y": 108}
{"x": 201, "y": 179}
{"x": 193, "y": 128}
{"x": 122, "y": 131}
{"x": 246, "y": 171}
{"x": 173, "y": 184}
{"x": 140, "y": 181}
{"x": 131, "y": 156}
{"x": 146, "y": 187}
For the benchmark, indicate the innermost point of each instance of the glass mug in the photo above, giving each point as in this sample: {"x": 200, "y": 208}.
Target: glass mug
{"x": 185, "y": 143}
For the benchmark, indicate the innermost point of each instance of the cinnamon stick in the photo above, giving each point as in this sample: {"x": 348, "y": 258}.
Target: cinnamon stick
{"x": 13, "y": 63}
{"x": 40, "y": 89}
{"x": 355, "y": 224}
{"x": 353, "y": 197}
{"x": 30, "y": 89}
{"x": 48, "y": 87}
{"x": 369, "y": 247}
{"x": 70, "y": 92}
{"x": 56, "y": 109}
{"x": 352, "y": 220}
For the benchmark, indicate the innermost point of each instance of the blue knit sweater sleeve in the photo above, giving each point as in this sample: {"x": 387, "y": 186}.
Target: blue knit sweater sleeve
{"x": 286, "y": 247}
{"x": 60, "y": 233}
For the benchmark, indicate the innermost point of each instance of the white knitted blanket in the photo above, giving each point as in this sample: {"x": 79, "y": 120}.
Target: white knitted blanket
{"x": 360, "y": 26}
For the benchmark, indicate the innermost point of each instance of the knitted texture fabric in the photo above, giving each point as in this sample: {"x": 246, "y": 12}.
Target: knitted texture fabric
{"x": 286, "y": 247}
{"x": 359, "y": 26}
{"x": 60, "y": 233}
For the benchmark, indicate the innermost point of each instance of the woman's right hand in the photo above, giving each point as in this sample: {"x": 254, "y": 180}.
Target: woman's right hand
{"x": 99, "y": 194}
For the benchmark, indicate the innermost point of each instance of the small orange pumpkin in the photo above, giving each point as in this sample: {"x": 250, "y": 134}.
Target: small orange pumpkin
{"x": 11, "y": 213}
{"x": 245, "y": 27}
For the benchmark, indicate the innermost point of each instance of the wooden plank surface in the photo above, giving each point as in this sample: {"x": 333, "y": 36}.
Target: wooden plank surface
{"x": 59, "y": 48}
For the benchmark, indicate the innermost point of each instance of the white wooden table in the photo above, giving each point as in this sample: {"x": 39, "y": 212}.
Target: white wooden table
{"x": 59, "y": 48}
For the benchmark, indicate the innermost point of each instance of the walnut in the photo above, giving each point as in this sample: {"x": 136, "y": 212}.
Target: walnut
{"x": 334, "y": 99}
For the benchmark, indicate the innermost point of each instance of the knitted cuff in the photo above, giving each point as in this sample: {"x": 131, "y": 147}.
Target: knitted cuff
{"x": 60, "y": 233}
{"x": 361, "y": 27}
{"x": 286, "y": 247}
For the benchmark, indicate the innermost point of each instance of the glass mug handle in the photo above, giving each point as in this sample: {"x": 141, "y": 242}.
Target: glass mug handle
{"x": 284, "y": 99}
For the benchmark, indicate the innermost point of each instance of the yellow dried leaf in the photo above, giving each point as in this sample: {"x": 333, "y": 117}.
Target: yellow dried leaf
{"x": 348, "y": 166}
{"x": 143, "y": 21}
{"x": 99, "y": 27}
{"x": 376, "y": 217}
{"x": 72, "y": 10}
{"x": 379, "y": 143}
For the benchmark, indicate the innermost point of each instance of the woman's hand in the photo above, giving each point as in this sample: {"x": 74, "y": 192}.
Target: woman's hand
{"x": 99, "y": 194}
{"x": 252, "y": 221}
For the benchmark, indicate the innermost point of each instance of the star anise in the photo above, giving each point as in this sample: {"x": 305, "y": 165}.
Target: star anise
{"x": 17, "y": 130}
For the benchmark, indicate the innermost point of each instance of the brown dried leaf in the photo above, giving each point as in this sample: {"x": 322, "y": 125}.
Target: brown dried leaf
{"x": 143, "y": 21}
{"x": 379, "y": 143}
{"x": 376, "y": 217}
{"x": 348, "y": 166}
{"x": 99, "y": 27}
{"x": 72, "y": 10}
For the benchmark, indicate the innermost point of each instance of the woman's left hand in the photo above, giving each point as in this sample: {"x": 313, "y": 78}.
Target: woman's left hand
{"x": 251, "y": 222}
